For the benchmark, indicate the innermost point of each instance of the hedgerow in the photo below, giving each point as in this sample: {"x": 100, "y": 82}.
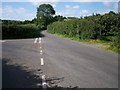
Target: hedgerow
{"x": 103, "y": 27}
{"x": 19, "y": 31}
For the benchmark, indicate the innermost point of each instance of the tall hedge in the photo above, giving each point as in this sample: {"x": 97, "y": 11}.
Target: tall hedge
{"x": 18, "y": 32}
{"x": 93, "y": 27}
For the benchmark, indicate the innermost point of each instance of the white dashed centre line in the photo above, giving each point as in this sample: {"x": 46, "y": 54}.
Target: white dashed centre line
{"x": 41, "y": 51}
{"x": 42, "y": 62}
{"x": 44, "y": 84}
{"x": 43, "y": 77}
{"x": 40, "y": 40}
{"x": 36, "y": 40}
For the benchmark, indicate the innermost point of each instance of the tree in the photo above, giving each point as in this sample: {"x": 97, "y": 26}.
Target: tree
{"x": 44, "y": 15}
{"x": 59, "y": 18}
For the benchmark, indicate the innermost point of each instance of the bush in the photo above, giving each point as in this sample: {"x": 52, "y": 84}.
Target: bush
{"x": 98, "y": 26}
{"x": 18, "y": 32}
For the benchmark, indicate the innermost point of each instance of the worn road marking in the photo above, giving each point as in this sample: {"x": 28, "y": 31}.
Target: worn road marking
{"x": 42, "y": 62}
{"x": 40, "y": 47}
{"x": 40, "y": 40}
{"x": 43, "y": 77}
{"x": 2, "y": 41}
{"x": 41, "y": 51}
{"x": 36, "y": 40}
{"x": 44, "y": 84}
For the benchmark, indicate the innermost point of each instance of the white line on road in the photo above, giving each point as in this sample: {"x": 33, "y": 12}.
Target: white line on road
{"x": 44, "y": 84}
{"x": 2, "y": 41}
{"x": 40, "y": 47}
{"x": 40, "y": 40}
{"x": 36, "y": 40}
{"x": 41, "y": 51}
{"x": 42, "y": 62}
{"x": 43, "y": 77}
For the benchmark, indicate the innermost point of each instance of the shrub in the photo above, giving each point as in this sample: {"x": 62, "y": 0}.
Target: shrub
{"x": 21, "y": 31}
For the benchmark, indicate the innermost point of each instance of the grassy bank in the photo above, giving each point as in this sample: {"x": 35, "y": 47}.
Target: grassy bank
{"x": 94, "y": 43}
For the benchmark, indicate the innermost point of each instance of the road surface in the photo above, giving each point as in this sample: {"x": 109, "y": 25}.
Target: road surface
{"x": 59, "y": 61}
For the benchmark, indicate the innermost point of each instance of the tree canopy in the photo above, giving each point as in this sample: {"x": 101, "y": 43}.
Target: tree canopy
{"x": 44, "y": 15}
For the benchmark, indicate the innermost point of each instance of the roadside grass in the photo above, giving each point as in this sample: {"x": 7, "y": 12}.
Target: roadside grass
{"x": 105, "y": 45}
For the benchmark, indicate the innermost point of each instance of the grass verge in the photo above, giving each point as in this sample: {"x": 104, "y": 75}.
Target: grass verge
{"x": 94, "y": 43}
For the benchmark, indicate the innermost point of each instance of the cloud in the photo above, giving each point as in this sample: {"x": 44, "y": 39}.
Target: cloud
{"x": 16, "y": 13}
{"x": 72, "y": 7}
{"x": 67, "y": 6}
{"x": 77, "y": 6}
{"x": 74, "y": 13}
{"x": 114, "y": 5}
{"x": 84, "y": 13}
{"x": 39, "y": 2}
{"x": 67, "y": 13}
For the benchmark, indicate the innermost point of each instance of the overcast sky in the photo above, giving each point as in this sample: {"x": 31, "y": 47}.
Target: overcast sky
{"x": 26, "y": 10}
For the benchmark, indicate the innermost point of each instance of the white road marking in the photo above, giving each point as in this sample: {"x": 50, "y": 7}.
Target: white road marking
{"x": 43, "y": 77}
{"x": 2, "y": 41}
{"x": 36, "y": 40}
{"x": 40, "y": 40}
{"x": 41, "y": 51}
{"x": 40, "y": 47}
{"x": 42, "y": 62}
{"x": 44, "y": 84}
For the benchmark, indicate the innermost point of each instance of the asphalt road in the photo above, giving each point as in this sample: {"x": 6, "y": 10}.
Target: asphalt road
{"x": 57, "y": 61}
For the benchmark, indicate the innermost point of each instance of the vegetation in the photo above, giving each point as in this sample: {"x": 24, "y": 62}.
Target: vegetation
{"x": 19, "y": 31}
{"x": 44, "y": 15}
{"x": 96, "y": 27}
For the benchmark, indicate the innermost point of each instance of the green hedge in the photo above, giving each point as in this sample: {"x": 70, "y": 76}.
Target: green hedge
{"x": 93, "y": 27}
{"x": 19, "y": 31}
{"x": 79, "y": 28}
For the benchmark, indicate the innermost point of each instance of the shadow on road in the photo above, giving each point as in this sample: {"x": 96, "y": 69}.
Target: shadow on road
{"x": 15, "y": 77}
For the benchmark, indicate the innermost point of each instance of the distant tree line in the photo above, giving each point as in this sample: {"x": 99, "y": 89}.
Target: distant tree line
{"x": 15, "y": 22}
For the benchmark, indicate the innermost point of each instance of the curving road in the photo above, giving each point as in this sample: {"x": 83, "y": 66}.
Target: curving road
{"x": 60, "y": 62}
